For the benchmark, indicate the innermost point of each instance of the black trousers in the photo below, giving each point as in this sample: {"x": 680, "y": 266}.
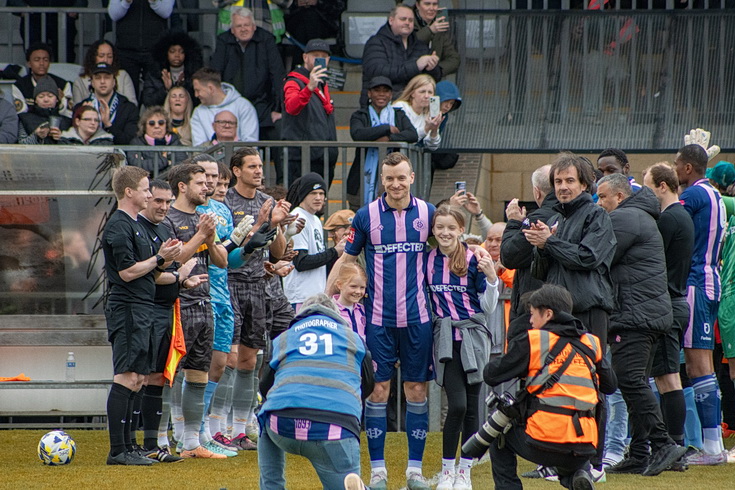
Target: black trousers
{"x": 632, "y": 357}
{"x": 597, "y": 322}
{"x": 503, "y": 452}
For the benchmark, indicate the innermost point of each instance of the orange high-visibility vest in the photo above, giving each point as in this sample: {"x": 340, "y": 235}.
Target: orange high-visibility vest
{"x": 562, "y": 413}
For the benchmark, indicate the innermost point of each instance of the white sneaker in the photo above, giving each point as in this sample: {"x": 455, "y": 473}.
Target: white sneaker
{"x": 379, "y": 479}
{"x": 446, "y": 480}
{"x": 731, "y": 455}
{"x": 462, "y": 481}
{"x": 353, "y": 482}
{"x": 598, "y": 476}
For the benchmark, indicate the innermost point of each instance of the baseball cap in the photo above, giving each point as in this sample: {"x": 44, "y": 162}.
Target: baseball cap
{"x": 102, "y": 68}
{"x": 317, "y": 45}
{"x": 380, "y": 81}
{"x": 339, "y": 219}
{"x": 723, "y": 174}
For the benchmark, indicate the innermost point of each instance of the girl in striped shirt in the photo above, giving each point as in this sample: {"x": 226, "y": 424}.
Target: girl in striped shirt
{"x": 351, "y": 283}
{"x": 463, "y": 288}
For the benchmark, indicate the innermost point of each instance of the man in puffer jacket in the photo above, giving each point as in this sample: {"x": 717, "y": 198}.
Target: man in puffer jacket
{"x": 642, "y": 314}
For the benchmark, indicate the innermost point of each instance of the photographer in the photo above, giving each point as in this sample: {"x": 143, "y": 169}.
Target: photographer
{"x": 555, "y": 423}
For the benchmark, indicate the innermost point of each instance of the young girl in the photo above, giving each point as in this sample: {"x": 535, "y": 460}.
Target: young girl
{"x": 351, "y": 283}
{"x": 463, "y": 289}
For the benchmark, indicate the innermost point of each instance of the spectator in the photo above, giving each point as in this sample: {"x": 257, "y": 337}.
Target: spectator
{"x": 247, "y": 58}
{"x": 641, "y": 316}
{"x": 377, "y": 122}
{"x": 722, "y": 177}
{"x": 395, "y": 52}
{"x": 154, "y": 129}
{"x": 102, "y": 51}
{"x": 614, "y": 161}
{"x": 450, "y": 100}
{"x": 139, "y": 24}
{"x": 313, "y": 397}
{"x": 177, "y": 57}
{"x": 313, "y": 255}
{"x": 338, "y": 224}
{"x": 118, "y": 115}
{"x": 42, "y": 124}
{"x": 8, "y": 122}
{"x": 52, "y": 25}
{"x": 179, "y": 106}
{"x": 414, "y": 101}
{"x": 85, "y": 129}
{"x": 38, "y": 60}
{"x": 262, "y": 14}
{"x": 309, "y": 114}
{"x": 435, "y": 33}
{"x": 515, "y": 251}
{"x": 578, "y": 255}
{"x": 216, "y": 96}
{"x": 225, "y": 129}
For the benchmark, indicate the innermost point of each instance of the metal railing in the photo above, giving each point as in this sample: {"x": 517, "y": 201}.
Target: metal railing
{"x": 588, "y": 80}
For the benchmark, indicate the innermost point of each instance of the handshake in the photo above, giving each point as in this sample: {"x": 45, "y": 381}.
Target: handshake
{"x": 258, "y": 240}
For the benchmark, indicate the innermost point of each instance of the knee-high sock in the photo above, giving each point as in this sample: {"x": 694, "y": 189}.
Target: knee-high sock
{"x": 208, "y": 393}
{"x": 242, "y": 398}
{"x": 192, "y": 405}
{"x": 376, "y": 425}
{"x": 256, "y": 382}
{"x": 165, "y": 416}
{"x": 117, "y": 412}
{"x": 177, "y": 415}
{"x": 417, "y": 427}
{"x": 692, "y": 426}
{"x": 673, "y": 409}
{"x": 136, "y": 402}
{"x": 217, "y": 413}
{"x": 707, "y": 396}
{"x": 151, "y": 412}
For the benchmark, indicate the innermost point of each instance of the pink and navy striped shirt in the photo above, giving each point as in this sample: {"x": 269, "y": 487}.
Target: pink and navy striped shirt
{"x": 395, "y": 251}
{"x": 355, "y": 316}
{"x": 454, "y": 296}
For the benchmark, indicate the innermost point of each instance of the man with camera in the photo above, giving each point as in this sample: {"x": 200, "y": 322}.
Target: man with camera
{"x": 550, "y": 418}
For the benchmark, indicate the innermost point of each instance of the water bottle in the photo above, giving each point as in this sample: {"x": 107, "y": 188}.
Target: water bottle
{"x": 71, "y": 367}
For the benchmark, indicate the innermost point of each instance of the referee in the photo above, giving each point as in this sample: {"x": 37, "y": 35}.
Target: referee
{"x": 130, "y": 263}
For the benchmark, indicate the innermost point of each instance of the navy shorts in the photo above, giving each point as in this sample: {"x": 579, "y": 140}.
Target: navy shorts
{"x": 412, "y": 346}
{"x": 700, "y": 333}
{"x": 130, "y": 331}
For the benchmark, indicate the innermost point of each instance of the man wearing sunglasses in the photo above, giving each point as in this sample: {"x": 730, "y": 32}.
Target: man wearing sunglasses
{"x": 118, "y": 116}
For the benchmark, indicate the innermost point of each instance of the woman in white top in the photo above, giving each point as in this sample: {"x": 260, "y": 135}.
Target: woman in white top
{"x": 102, "y": 52}
{"x": 414, "y": 101}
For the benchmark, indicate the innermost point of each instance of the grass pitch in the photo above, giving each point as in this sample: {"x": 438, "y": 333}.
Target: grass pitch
{"x": 20, "y": 468}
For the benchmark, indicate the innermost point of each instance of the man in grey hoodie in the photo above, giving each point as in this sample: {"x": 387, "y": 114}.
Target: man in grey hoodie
{"x": 216, "y": 97}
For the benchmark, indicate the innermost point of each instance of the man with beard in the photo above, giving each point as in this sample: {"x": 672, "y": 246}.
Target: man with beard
{"x": 198, "y": 231}
{"x": 313, "y": 257}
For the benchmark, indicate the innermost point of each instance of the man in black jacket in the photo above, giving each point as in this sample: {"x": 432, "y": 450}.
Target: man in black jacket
{"x": 641, "y": 316}
{"x": 118, "y": 116}
{"x": 515, "y": 251}
{"x": 575, "y": 250}
{"x": 395, "y": 52}
{"x": 247, "y": 58}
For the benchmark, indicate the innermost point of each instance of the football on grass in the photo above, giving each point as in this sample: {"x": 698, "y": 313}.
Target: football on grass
{"x": 56, "y": 448}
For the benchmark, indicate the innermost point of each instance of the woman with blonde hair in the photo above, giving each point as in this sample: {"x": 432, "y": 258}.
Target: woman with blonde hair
{"x": 414, "y": 101}
{"x": 154, "y": 129}
{"x": 180, "y": 106}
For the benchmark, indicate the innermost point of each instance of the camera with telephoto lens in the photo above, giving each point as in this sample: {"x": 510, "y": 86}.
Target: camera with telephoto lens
{"x": 503, "y": 410}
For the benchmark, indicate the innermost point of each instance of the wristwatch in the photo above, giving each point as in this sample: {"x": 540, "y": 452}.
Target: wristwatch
{"x": 176, "y": 275}
{"x": 160, "y": 261}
